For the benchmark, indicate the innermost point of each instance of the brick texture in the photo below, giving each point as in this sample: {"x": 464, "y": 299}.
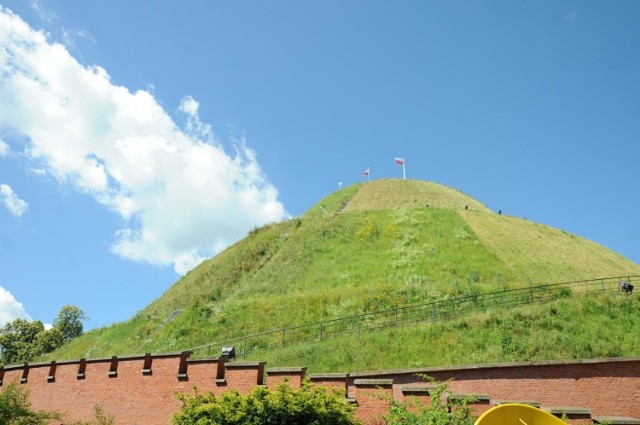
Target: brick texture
{"x": 136, "y": 395}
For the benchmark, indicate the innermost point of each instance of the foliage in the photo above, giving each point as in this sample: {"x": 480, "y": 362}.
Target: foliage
{"x": 19, "y": 340}
{"x": 69, "y": 322}
{"x": 23, "y": 341}
{"x": 313, "y": 405}
{"x": 368, "y": 230}
{"x": 15, "y": 408}
{"x": 437, "y": 412}
{"x": 48, "y": 341}
{"x": 533, "y": 332}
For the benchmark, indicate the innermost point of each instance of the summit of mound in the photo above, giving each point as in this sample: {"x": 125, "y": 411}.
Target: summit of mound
{"x": 395, "y": 193}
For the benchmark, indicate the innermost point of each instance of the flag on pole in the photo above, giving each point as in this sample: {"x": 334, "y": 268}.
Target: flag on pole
{"x": 400, "y": 161}
{"x": 365, "y": 172}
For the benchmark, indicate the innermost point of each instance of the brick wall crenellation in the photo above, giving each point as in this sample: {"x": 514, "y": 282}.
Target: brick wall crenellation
{"x": 142, "y": 389}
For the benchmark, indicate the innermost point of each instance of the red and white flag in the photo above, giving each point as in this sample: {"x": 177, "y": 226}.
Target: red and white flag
{"x": 400, "y": 161}
{"x": 365, "y": 172}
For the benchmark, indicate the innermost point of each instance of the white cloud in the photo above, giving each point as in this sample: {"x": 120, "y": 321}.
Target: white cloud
{"x": 44, "y": 13}
{"x": 182, "y": 197}
{"x": 38, "y": 171}
{"x": 15, "y": 205}
{"x": 10, "y": 309}
{"x": 195, "y": 128}
{"x": 70, "y": 38}
{"x": 4, "y": 148}
{"x": 189, "y": 106}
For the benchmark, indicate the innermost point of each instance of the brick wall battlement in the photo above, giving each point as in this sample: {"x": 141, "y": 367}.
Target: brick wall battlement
{"x": 142, "y": 389}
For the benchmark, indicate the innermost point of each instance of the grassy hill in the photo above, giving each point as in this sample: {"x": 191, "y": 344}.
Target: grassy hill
{"x": 368, "y": 247}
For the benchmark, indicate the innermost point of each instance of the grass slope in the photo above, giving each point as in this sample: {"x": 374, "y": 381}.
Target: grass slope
{"x": 367, "y": 247}
{"x": 534, "y": 332}
{"x": 391, "y": 194}
{"x": 540, "y": 253}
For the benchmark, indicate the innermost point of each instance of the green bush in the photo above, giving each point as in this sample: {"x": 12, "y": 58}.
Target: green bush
{"x": 15, "y": 408}
{"x": 438, "y": 412}
{"x": 310, "y": 404}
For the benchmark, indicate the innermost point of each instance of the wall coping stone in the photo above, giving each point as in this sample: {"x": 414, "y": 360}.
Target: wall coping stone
{"x": 427, "y": 370}
{"x": 355, "y": 374}
{"x": 477, "y": 397}
{"x": 417, "y": 388}
{"x": 96, "y": 360}
{"x": 202, "y": 361}
{"x": 616, "y": 420}
{"x": 567, "y": 410}
{"x": 286, "y": 369}
{"x": 373, "y": 382}
{"x": 328, "y": 376}
{"x": 232, "y": 365}
{"x": 527, "y": 402}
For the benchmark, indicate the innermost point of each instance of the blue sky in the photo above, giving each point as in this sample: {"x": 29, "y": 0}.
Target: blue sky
{"x": 137, "y": 138}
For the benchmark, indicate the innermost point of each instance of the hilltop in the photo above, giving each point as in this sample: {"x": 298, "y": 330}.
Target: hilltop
{"x": 367, "y": 247}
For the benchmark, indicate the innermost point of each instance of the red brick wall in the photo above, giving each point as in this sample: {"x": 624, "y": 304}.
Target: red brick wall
{"x": 373, "y": 397}
{"x": 244, "y": 376}
{"x": 293, "y": 376}
{"x": 606, "y": 387}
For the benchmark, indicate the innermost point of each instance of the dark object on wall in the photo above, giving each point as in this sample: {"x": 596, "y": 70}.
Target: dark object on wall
{"x": 228, "y": 353}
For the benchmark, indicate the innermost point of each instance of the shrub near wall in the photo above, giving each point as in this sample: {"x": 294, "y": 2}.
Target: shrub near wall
{"x": 440, "y": 410}
{"x": 309, "y": 405}
{"x": 15, "y": 408}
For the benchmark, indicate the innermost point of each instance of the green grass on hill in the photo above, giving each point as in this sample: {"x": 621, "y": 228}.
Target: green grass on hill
{"x": 371, "y": 246}
{"x": 533, "y": 332}
{"x": 334, "y": 203}
{"x": 539, "y": 253}
{"x": 392, "y": 194}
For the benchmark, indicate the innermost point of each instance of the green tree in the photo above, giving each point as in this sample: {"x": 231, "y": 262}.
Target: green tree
{"x": 23, "y": 341}
{"x": 15, "y": 408}
{"x": 18, "y": 341}
{"x": 69, "y": 322}
{"x": 48, "y": 341}
{"x": 313, "y": 405}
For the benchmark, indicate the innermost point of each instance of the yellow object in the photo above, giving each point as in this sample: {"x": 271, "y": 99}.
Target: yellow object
{"x": 517, "y": 414}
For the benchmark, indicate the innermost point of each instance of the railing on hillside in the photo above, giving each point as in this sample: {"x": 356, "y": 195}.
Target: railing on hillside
{"x": 401, "y": 315}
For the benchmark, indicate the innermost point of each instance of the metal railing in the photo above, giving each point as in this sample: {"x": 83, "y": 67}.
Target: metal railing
{"x": 403, "y": 315}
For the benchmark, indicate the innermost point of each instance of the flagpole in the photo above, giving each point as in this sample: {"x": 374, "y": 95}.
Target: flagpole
{"x": 404, "y": 174}
{"x": 400, "y": 161}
